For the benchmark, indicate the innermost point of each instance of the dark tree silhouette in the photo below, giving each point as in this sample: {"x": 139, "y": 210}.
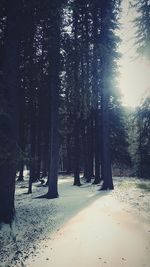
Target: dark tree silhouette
{"x": 59, "y": 105}
{"x": 108, "y": 24}
{"x": 9, "y": 113}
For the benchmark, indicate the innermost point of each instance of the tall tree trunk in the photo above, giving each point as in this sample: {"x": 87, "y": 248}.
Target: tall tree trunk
{"x": 89, "y": 150}
{"x": 22, "y": 149}
{"x": 97, "y": 148}
{"x": 32, "y": 176}
{"x": 39, "y": 156}
{"x": 41, "y": 104}
{"x": 54, "y": 146}
{"x": 32, "y": 111}
{"x": 96, "y": 94}
{"x": 9, "y": 122}
{"x": 69, "y": 162}
{"x": 54, "y": 87}
{"x": 45, "y": 153}
{"x": 76, "y": 111}
{"x": 76, "y": 154}
{"x": 106, "y": 157}
{"x": 90, "y": 136}
{"x": 91, "y": 146}
{"x": 21, "y": 132}
{"x": 84, "y": 145}
{"x": 140, "y": 160}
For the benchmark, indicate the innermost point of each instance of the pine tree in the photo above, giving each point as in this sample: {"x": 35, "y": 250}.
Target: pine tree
{"x": 142, "y": 25}
{"x": 143, "y": 129}
{"x": 9, "y": 112}
{"x": 109, "y": 41}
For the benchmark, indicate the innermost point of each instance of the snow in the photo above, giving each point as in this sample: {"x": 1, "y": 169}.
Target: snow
{"x": 44, "y": 229}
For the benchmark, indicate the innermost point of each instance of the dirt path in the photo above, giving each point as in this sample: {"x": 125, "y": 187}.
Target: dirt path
{"x": 103, "y": 234}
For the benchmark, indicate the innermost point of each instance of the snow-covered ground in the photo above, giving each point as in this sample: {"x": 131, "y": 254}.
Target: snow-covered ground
{"x": 38, "y": 221}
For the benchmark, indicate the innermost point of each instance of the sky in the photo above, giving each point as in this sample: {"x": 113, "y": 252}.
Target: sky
{"x": 134, "y": 79}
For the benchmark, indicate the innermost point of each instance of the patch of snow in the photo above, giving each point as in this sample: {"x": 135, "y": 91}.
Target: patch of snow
{"x": 38, "y": 220}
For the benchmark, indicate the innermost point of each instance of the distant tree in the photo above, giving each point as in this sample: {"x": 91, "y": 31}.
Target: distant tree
{"x": 119, "y": 135}
{"x": 142, "y": 25}
{"x": 143, "y": 130}
{"x": 96, "y": 91}
{"x": 88, "y": 41}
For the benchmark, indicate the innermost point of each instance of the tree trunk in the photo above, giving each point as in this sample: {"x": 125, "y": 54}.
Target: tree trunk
{"x": 21, "y": 169}
{"x": 97, "y": 148}
{"x": 38, "y": 167}
{"x": 32, "y": 109}
{"x": 76, "y": 108}
{"x": 54, "y": 87}
{"x": 69, "y": 165}
{"x": 76, "y": 154}
{"x": 45, "y": 153}
{"x": 89, "y": 150}
{"x": 21, "y": 145}
{"x": 32, "y": 177}
{"x": 84, "y": 145}
{"x": 106, "y": 157}
{"x": 96, "y": 94}
{"x": 9, "y": 119}
{"x": 21, "y": 132}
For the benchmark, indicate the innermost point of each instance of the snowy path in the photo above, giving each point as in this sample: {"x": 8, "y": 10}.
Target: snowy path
{"x": 101, "y": 234}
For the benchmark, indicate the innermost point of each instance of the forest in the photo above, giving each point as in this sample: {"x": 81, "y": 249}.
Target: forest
{"x": 61, "y": 108}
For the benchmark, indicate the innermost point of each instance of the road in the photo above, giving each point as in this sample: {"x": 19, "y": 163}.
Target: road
{"x": 103, "y": 234}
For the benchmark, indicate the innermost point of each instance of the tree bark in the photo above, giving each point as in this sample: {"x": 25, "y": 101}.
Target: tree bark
{"x": 97, "y": 148}
{"x": 105, "y": 127}
{"x": 32, "y": 118}
{"x": 76, "y": 154}
{"x": 69, "y": 161}
{"x": 76, "y": 111}
{"x": 9, "y": 119}
{"x": 89, "y": 150}
{"x": 54, "y": 87}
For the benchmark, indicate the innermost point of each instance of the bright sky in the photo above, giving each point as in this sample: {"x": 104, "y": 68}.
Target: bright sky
{"x": 135, "y": 73}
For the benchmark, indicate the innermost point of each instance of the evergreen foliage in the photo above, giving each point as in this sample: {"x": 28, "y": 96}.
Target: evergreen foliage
{"x": 59, "y": 103}
{"x": 142, "y": 24}
{"x": 143, "y": 129}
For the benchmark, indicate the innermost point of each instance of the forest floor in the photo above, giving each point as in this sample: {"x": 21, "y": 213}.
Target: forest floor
{"x": 83, "y": 227}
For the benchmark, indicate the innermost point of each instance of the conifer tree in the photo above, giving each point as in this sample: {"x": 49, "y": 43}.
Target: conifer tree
{"x": 9, "y": 112}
